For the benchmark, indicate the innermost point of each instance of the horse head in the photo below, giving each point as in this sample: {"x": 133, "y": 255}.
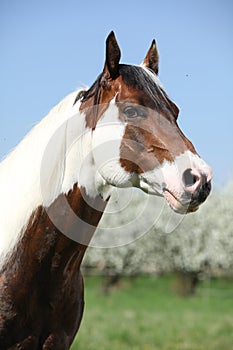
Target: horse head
{"x": 136, "y": 140}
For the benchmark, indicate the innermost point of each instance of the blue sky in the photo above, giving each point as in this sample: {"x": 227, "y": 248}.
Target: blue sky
{"x": 50, "y": 48}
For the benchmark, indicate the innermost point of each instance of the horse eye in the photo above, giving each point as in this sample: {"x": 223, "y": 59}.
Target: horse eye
{"x": 133, "y": 112}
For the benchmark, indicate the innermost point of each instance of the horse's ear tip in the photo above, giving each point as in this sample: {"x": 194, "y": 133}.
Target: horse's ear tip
{"x": 111, "y": 35}
{"x": 153, "y": 44}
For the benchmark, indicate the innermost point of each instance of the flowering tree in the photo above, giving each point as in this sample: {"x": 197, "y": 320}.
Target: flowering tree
{"x": 119, "y": 246}
{"x": 149, "y": 238}
{"x": 202, "y": 243}
{"x": 204, "y": 240}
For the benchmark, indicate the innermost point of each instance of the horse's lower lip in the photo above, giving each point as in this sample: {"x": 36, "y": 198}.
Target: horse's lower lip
{"x": 176, "y": 205}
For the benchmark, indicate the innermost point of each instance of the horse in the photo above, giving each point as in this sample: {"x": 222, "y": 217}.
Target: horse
{"x": 55, "y": 185}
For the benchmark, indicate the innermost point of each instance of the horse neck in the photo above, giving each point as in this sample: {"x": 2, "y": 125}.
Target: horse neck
{"x": 56, "y": 237}
{"x": 46, "y": 251}
{"x": 46, "y": 167}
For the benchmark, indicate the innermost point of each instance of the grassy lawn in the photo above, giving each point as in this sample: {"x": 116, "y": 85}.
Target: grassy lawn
{"x": 144, "y": 314}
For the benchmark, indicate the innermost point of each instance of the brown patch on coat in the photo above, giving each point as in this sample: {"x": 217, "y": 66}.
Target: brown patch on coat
{"x": 96, "y": 100}
{"x": 41, "y": 285}
{"x": 150, "y": 140}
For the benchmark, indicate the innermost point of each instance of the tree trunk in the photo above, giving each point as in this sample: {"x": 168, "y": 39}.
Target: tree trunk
{"x": 109, "y": 282}
{"x": 185, "y": 283}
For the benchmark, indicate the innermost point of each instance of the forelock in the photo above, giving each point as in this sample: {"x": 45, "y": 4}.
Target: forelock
{"x": 140, "y": 78}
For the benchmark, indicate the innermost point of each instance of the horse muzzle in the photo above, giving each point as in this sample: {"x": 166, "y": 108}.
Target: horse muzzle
{"x": 184, "y": 183}
{"x": 196, "y": 188}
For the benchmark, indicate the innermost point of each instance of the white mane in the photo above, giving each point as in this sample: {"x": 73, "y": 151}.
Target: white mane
{"x": 37, "y": 170}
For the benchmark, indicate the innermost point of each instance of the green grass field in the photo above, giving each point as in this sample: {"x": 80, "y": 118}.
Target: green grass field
{"x": 144, "y": 314}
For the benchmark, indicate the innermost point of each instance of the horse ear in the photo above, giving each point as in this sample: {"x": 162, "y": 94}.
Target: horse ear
{"x": 151, "y": 60}
{"x": 113, "y": 55}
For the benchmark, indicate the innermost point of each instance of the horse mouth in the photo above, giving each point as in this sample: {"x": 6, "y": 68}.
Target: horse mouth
{"x": 177, "y": 205}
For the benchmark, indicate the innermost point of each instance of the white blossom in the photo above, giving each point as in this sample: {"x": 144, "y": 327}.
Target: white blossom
{"x": 140, "y": 243}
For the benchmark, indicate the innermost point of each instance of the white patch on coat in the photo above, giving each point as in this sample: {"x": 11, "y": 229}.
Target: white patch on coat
{"x": 106, "y": 144}
{"x": 59, "y": 152}
{"x": 40, "y": 168}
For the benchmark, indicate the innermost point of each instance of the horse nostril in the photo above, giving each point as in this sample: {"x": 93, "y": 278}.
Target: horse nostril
{"x": 204, "y": 191}
{"x": 188, "y": 178}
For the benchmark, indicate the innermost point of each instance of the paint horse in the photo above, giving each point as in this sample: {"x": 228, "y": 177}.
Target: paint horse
{"x": 55, "y": 185}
